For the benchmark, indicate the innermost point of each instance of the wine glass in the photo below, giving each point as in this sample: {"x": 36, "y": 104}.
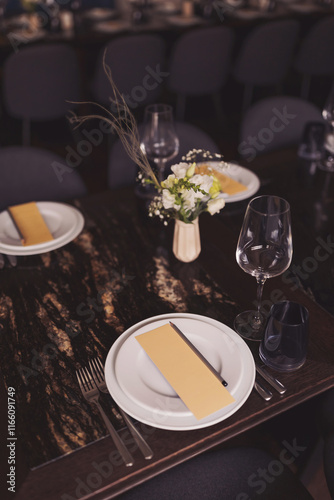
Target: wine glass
{"x": 264, "y": 250}
{"x": 159, "y": 141}
{"x": 328, "y": 115}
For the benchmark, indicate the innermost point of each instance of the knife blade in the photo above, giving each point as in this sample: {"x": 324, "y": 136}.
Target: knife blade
{"x": 276, "y": 384}
{"x": 200, "y": 355}
{"x": 12, "y": 260}
{"x": 263, "y": 391}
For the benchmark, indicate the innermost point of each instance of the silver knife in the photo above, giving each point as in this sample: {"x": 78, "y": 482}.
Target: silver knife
{"x": 196, "y": 351}
{"x": 12, "y": 260}
{"x": 276, "y": 384}
{"x": 263, "y": 391}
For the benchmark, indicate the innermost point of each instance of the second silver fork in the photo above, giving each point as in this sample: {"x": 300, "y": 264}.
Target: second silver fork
{"x": 97, "y": 371}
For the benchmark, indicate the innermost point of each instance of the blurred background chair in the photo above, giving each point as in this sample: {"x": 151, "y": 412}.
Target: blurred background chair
{"x": 38, "y": 82}
{"x": 315, "y": 55}
{"x": 137, "y": 64}
{"x": 265, "y": 57}
{"x": 32, "y": 174}
{"x": 122, "y": 170}
{"x": 273, "y": 123}
{"x": 233, "y": 473}
{"x": 199, "y": 65}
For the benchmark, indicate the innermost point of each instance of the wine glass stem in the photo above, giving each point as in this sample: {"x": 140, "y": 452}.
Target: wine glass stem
{"x": 260, "y": 283}
{"x": 161, "y": 170}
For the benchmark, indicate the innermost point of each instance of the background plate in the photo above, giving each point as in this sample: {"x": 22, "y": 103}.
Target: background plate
{"x": 64, "y": 222}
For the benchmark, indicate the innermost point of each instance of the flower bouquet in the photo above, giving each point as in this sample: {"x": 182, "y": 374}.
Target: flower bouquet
{"x": 187, "y": 192}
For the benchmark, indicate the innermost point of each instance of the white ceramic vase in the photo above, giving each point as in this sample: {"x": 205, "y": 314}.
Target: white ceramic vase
{"x": 187, "y": 241}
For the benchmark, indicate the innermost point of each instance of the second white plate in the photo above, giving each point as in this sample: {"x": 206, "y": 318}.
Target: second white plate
{"x": 242, "y": 175}
{"x": 64, "y": 222}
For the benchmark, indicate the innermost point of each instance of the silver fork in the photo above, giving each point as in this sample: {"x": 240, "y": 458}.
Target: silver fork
{"x": 91, "y": 394}
{"x": 98, "y": 375}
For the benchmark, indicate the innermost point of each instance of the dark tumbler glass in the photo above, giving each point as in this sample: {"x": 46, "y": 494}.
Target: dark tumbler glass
{"x": 284, "y": 345}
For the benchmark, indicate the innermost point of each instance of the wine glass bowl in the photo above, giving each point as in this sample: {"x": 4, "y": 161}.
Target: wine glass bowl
{"x": 159, "y": 141}
{"x": 264, "y": 250}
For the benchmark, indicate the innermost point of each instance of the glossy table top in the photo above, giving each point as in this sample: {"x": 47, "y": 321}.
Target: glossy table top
{"x": 59, "y": 309}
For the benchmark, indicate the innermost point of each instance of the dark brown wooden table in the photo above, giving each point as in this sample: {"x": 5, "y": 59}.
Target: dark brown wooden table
{"x": 59, "y": 309}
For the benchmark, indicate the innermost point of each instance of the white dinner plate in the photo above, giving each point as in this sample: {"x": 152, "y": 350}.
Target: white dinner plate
{"x": 99, "y": 14}
{"x": 112, "y": 26}
{"x": 167, "y": 8}
{"x": 303, "y": 7}
{"x": 140, "y": 389}
{"x": 184, "y": 20}
{"x": 248, "y": 13}
{"x": 64, "y": 222}
{"x": 242, "y": 175}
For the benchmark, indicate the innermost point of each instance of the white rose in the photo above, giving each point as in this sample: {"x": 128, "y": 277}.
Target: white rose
{"x": 168, "y": 200}
{"x": 216, "y": 205}
{"x": 189, "y": 199}
{"x": 180, "y": 170}
{"x": 203, "y": 181}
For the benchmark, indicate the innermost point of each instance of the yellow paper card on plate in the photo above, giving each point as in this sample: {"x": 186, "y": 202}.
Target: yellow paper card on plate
{"x": 200, "y": 390}
{"x": 30, "y": 224}
{"x": 229, "y": 186}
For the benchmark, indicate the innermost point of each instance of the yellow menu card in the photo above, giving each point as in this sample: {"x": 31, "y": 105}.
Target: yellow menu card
{"x": 200, "y": 390}
{"x": 229, "y": 185}
{"x": 30, "y": 224}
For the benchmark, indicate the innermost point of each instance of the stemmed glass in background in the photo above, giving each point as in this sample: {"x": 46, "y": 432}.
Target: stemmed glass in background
{"x": 264, "y": 250}
{"x": 328, "y": 115}
{"x": 159, "y": 140}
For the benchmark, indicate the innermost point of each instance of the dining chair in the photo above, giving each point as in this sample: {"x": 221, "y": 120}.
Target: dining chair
{"x": 33, "y": 174}
{"x": 122, "y": 170}
{"x": 315, "y": 55}
{"x": 265, "y": 56}
{"x": 273, "y": 123}
{"x": 231, "y": 473}
{"x": 137, "y": 68}
{"x": 199, "y": 65}
{"x": 38, "y": 83}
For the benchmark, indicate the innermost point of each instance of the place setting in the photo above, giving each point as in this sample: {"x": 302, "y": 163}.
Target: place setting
{"x": 184, "y": 371}
{"x": 35, "y": 228}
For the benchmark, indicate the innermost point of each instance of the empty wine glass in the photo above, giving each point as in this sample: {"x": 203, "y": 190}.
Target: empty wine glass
{"x": 328, "y": 115}
{"x": 159, "y": 141}
{"x": 264, "y": 250}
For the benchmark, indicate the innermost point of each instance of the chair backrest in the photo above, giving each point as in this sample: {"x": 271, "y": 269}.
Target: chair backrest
{"x": 122, "y": 170}
{"x": 137, "y": 67}
{"x": 274, "y": 123}
{"x": 266, "y": 53}
{"x": 200, "y": 61}
{"x": 315, "y": 55}
{"x": 32, "y": 174}
{"x": 38, "y": 82}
